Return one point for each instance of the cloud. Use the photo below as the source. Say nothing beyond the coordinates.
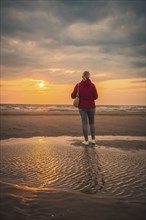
(139, 81)
(71, 36)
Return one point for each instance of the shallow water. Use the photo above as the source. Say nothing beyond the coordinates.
(62, 162)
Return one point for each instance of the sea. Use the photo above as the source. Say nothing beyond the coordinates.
(44, 108)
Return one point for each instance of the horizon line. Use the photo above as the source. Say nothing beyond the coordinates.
(71, 104)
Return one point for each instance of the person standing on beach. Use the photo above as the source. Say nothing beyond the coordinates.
(87, 95)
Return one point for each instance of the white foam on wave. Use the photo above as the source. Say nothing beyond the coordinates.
(47, 108)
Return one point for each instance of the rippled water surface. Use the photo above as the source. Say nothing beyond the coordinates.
(62, 162)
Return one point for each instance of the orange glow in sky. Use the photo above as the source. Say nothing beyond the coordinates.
(114, 92)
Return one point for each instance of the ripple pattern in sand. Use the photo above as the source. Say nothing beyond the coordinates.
(54, 162)
(124, 172)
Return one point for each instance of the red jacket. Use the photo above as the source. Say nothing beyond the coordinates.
(87, 94)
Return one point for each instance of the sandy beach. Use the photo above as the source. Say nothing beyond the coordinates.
(69, 123)
(31, 203)
(46, 173)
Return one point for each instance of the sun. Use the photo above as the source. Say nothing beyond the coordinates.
(41, 84)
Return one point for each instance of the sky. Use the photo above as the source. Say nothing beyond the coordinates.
(47, 44)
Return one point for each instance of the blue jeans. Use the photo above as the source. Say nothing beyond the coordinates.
(88, 114)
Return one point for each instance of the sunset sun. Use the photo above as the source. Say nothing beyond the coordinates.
(41, 84)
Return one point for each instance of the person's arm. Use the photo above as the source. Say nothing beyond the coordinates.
(73, 95)
(95, 94)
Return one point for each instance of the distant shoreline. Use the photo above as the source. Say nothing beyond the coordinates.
(69, 113)
(68, 109)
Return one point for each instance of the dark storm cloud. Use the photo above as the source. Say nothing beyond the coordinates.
(71, 34)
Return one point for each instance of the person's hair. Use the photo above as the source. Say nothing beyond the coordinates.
(86, 74)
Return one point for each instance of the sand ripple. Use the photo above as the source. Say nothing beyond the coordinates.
(64, 163)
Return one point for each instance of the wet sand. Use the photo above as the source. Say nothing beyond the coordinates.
(58, 178)
(69, 123)
(30, 203)
(52, 176)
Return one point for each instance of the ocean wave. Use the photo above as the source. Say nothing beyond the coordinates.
(59, 108)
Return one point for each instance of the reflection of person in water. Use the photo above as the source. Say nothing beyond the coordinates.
(94, 180)
(87, 94)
